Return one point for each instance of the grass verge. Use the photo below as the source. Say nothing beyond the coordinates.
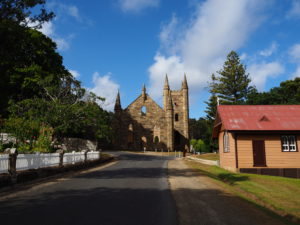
(276, 194)
(208, 156)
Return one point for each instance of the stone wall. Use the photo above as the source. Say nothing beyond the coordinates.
(135, 129)
(156, 128)
(78, 144)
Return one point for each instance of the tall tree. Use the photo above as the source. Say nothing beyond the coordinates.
(212, 103)
(26, 55)
(211, 108)
(232, 83)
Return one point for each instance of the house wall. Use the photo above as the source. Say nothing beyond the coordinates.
(275, 158)
(227, 159)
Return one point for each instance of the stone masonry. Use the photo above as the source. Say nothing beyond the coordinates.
(145, 125)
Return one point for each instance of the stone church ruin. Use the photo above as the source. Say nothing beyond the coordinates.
(144, 125)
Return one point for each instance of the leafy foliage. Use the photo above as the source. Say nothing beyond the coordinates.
(287, 93)
(40, 99)
(81, 119)
(26, 55)
(20, 12)
(202, 129)
(43, 142)
(199, 145)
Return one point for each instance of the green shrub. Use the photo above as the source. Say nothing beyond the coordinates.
(199, 145)
(43, 143)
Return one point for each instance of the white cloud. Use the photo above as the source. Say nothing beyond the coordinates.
(62, 44)
(137, 5)
(296, 73)
(168, 34)
(260, 72)
(243, 56)
(294, 11)
(269, 51)
(105, 87)
(216, 28)
(294, 52)
(73, 11)
(47, 28)
(74, 73)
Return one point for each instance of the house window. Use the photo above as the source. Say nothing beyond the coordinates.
(226, 142)
(288, 143)
(176, 117)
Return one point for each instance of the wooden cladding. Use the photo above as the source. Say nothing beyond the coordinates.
(257, 150)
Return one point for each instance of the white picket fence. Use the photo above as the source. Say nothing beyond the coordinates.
(35, 161)
(40, 160)
(93, 155)
(73, 157)
(4, 163)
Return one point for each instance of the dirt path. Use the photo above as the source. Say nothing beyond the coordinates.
(200, 201)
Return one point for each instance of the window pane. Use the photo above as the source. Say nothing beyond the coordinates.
(292, 143)
(285, 145)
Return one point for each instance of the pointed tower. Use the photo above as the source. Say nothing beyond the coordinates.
(170, 123)
(118, 107)
(166, 92)
(185, 100)
(144, 94)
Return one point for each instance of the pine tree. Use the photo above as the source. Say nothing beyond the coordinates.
(211, 108)
(212, 103)
(232, 84)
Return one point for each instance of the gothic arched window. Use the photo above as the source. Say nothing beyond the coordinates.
(144, 111)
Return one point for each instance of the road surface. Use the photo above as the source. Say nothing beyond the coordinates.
(133, 191)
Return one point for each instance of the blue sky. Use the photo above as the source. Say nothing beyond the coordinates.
(122, 44)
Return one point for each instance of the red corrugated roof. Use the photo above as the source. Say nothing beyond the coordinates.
(260, 117)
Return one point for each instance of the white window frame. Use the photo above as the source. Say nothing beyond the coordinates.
(226, 142)
(289, 143)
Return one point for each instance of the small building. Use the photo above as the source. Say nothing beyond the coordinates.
(261, 139)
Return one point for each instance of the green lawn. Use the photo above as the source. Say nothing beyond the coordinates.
(277, 194)
(208, 156)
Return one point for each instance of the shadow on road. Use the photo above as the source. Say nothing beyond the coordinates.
(119, 206)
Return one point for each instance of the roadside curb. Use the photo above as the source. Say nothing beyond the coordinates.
(204, 161)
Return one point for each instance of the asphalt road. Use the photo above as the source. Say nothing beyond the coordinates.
(134, 191)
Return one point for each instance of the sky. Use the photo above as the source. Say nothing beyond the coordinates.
(112, 45)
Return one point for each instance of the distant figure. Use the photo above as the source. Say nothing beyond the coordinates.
(186, 148)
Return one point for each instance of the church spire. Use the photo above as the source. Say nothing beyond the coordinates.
(170, 103)
(144, 95)
(184, 83)
(118, 102)
(144, 89)
(166, 86)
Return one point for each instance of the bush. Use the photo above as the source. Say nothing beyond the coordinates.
(4, 146)
(31, 135)
(43, 143)
(22, 129)
(199, 145)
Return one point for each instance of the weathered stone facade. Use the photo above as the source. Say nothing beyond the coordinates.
(145, 125)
